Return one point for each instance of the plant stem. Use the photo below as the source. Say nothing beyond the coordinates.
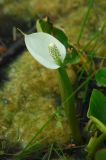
(88, 125)
(93, 144)
(69, 106)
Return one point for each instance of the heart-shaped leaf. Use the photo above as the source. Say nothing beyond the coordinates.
(97, 110)
(101, 77)
(101, 155)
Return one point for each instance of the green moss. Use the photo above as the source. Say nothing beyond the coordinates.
(30, 97)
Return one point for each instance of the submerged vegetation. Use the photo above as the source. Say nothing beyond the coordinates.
(57, 111)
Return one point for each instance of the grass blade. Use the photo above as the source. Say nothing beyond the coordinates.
(90, 5)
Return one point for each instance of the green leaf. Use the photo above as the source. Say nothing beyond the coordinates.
(72, 57)
(101, 77)
(44, 25)
(97, 110)
(101, 155)
(60, 35)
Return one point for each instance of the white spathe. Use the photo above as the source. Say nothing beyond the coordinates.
(38, 45)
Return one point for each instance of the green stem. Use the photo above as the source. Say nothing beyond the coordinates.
(88, 125)
(93, 144)
(69, 106)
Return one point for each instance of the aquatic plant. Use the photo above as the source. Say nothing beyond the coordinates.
(51, 53)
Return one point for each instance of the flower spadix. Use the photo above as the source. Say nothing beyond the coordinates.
(46, 49)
